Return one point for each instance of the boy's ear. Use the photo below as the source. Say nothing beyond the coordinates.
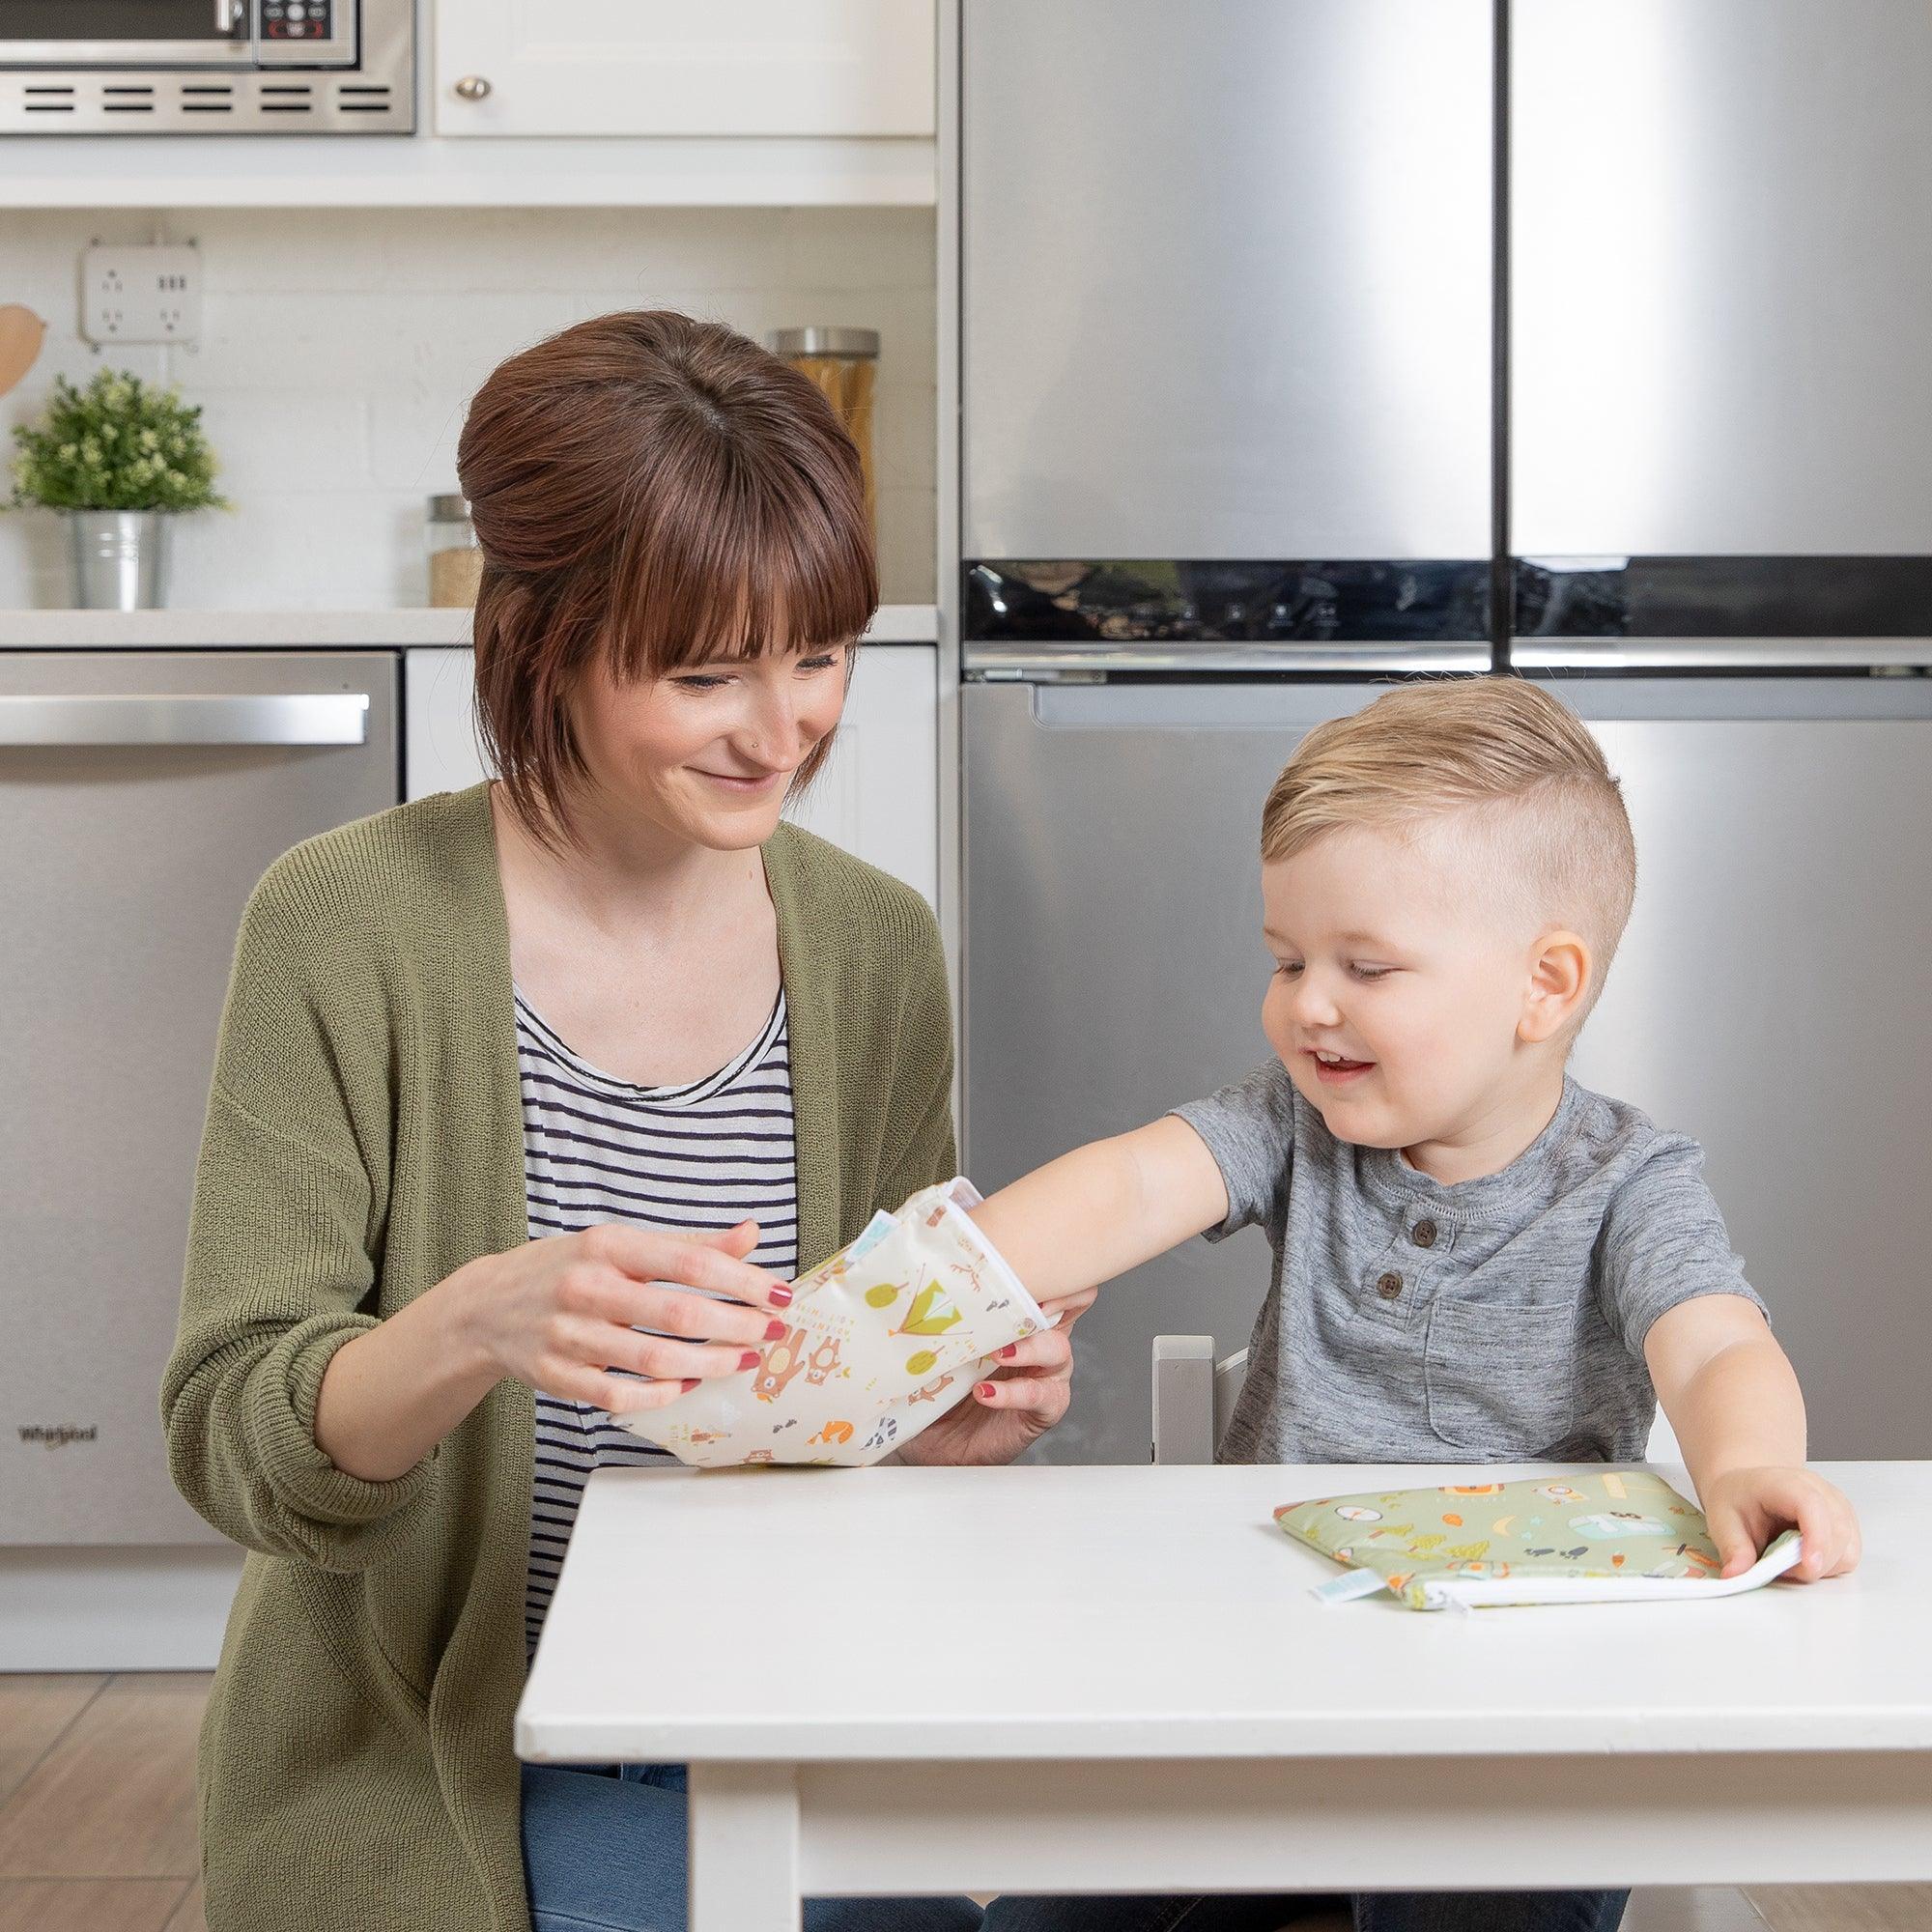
(1560, 969)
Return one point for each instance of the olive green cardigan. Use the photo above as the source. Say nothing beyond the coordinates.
(364, 1139)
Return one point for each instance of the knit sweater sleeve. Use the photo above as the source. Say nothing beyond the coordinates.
(286, 1225)
(921, 1146)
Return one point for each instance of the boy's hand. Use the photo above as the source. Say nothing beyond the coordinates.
(1747, 1508)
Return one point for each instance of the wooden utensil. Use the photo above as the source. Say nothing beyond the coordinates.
(21, 332)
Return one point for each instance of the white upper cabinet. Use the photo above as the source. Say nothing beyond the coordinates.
(799, 68)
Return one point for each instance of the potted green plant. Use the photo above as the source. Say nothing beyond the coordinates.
(118, 459)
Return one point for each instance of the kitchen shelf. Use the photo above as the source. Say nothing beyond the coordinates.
(281, 630)
(423, 171)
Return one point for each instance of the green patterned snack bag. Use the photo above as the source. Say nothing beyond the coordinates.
(1587, 1536)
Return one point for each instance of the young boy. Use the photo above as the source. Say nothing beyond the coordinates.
(1475, 1258)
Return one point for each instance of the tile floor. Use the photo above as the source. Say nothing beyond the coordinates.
(96, 1825)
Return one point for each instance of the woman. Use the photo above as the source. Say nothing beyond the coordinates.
(503, 1076)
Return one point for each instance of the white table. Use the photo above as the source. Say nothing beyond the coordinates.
(1113, 1679)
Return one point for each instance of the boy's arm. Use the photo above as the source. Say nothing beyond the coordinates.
(1734, 1402)
(1105, 1207)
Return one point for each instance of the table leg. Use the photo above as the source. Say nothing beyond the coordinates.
(744, 1848)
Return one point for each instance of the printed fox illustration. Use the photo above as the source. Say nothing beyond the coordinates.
(930, 1313)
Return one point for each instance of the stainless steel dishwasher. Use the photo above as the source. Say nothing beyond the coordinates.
(142, 795)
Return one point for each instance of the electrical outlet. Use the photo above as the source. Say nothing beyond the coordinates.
(140, 295)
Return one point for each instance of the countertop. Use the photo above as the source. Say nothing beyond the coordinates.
(299, 630)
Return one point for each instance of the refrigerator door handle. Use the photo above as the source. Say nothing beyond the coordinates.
(1686, 654)
(295, 718)
(1281, 709)
(1079, 663)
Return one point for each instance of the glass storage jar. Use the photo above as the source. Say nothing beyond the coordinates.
(455, 563)
(844, 363)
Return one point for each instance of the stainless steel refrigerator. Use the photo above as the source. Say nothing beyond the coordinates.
(1305, 345)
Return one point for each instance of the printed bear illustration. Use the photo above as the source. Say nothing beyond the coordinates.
(782, 1361)
(822, 1361)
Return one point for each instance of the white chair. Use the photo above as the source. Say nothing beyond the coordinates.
(1194, 1395)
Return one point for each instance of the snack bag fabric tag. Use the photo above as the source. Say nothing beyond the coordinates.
(1597, 1536)
(883, 1339)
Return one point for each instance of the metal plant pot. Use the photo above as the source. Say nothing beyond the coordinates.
(120, 558)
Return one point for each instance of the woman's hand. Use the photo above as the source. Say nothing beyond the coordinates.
(1026, 1394)
(561, 1314)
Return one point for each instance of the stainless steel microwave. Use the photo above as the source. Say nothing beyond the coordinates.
(206, 66)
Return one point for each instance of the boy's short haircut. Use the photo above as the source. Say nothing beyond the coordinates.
(1554, 831)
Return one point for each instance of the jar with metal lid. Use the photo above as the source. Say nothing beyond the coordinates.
(455, 563)
(844, 363)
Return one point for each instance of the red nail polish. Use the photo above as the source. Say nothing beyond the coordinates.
(1011, 1349)
(781, 1297)
(984, 1391)
(774, 1330)
(748, 1359)
(689, 1383)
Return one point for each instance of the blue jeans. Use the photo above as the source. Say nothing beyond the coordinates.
(605, 1852)
(1374, 1911)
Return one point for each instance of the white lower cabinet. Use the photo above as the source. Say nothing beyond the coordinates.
(441, 751)
(878, 795)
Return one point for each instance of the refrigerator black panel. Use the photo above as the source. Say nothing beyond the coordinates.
(1362, 601)
(1725, 597)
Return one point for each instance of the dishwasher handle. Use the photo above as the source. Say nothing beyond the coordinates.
(187, 718)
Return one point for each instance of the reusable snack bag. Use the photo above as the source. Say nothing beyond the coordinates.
(884, 1338)
(1596, 1536)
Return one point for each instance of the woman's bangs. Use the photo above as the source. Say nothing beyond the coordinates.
(767, 573)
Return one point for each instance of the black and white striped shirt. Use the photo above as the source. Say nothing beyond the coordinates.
(704, 1156)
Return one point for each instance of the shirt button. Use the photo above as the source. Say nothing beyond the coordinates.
(1422, 1234)
(1389, 1286)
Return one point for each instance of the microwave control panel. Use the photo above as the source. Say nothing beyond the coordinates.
(297, 20)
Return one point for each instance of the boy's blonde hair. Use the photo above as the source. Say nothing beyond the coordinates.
(1549, 816)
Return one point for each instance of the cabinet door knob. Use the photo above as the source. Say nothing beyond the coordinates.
(473, 87)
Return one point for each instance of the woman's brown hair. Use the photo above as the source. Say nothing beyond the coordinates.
(662, 491)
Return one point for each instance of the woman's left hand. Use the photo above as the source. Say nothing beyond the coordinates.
(1026, 1395)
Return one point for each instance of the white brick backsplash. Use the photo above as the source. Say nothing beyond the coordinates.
(270, 442)
(340, 346)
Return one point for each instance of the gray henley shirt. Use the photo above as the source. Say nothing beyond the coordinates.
(1498, 1320)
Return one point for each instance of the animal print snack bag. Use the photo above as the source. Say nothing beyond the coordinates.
(884, 1338)
(1589, 1536)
